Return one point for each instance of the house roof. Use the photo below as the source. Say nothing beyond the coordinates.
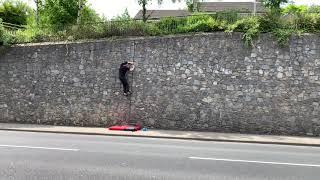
(244, 7)
(157, 14)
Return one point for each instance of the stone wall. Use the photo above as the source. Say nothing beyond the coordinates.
(208, 82)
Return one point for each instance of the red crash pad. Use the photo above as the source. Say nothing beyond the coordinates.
(125, 128)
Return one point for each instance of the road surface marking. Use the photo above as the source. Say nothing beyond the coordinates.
(34, 147)
(258, 162)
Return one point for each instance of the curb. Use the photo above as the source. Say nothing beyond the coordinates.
(166, 137)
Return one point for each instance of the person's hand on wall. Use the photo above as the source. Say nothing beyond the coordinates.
(131, 65)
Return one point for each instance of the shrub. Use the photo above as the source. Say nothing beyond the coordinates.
(198, 17)
(153, 30)
(269, 22)
(227, 16)
(308, 22)
(84, 31)
(282, 36)
(294, 9)
(124, 28)
(223, 25)
(5, 38)
(15, 11)
(31, 34)
(314, 9)
(137, 28)
(245, 24)
(200, 26)
(201, 23)
(250, 26)
(274, 5)
(170, 25)
(115, 28)
(1, 33)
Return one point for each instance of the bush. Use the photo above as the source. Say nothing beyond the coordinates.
(31, 35)
(15, 11)
(282, 36)
(136, 28)
(1, 32)
(153, 30)
(124, 28)
(308, 22)
(5, 38)
(314, 9)
(201, 23)
(226, 16)
(294, 9)
(200, 26)
(195, 18)
(170, 25)
(250, 26)
(84, 31)
(269, 22)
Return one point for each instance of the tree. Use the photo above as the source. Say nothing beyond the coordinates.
(15, 12)
(144, 4)
(81, 5)
(125, 16)
(295, 9)
(274, 4)
(192, 5)
(88, 16)
(61, 13)
(39, 4)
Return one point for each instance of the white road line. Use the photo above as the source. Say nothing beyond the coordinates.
(34, 147)
(258, 162)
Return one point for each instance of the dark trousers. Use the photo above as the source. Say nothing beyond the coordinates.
(125, 84)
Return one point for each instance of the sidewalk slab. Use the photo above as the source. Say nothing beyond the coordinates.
(169, 134)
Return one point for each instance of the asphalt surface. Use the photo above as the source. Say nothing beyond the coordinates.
(34, 156)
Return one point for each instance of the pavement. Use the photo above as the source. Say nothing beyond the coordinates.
(168, 134)
(46, 156)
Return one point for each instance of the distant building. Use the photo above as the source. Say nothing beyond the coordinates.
(241, 7)
(208, 7)
(158, 14)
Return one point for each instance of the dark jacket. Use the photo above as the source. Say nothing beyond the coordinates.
(123, 70)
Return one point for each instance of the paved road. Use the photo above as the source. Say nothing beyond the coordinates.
(34, 156)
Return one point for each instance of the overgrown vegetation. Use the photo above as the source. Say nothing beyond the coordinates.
(282, 23)
(274, 5)
(15, 12)
(249, 26)
(5, 37)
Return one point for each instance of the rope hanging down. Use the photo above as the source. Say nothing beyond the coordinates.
(132, 79)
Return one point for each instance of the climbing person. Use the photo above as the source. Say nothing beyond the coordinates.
(123, 70)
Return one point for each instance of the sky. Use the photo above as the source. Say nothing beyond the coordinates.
(111, 8)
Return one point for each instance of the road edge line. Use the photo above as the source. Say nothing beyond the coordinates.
(165, 137)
